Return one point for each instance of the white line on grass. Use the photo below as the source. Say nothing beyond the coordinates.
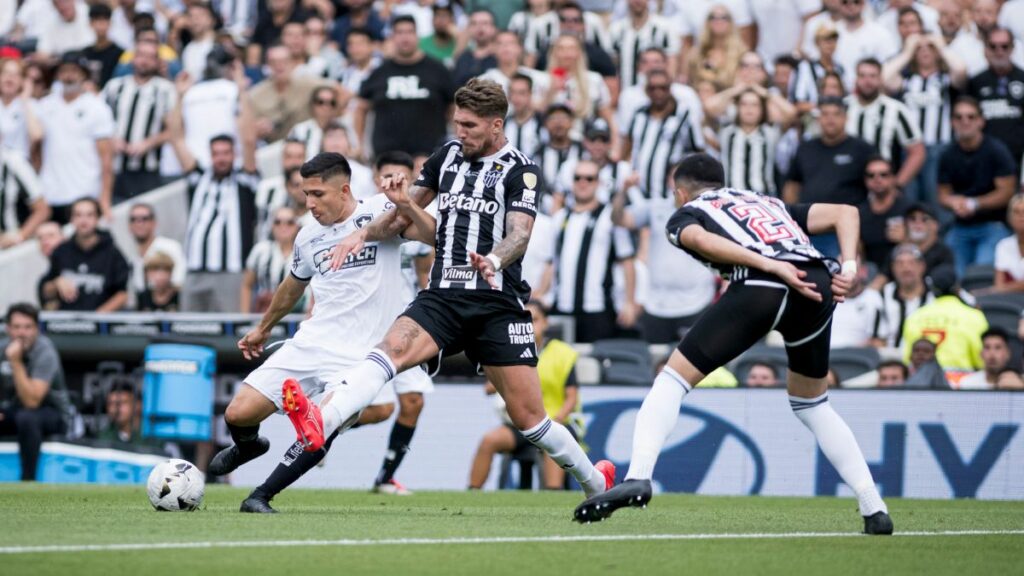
(490, 540)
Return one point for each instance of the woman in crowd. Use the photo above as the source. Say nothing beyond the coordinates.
(1009, 259)
(751, 75)
(718, 53)
(810, 72)
(747, 146)
(924, 76)
(268, 264)
(573, 84)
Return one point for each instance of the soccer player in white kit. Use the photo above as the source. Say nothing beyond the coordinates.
(353, 308)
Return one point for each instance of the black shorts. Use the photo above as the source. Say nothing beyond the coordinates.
(756, 304)
(492, 328)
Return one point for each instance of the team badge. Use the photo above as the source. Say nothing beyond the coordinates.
(363, 220)
(492, 176)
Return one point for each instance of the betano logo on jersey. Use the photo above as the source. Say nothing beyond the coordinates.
(365, 257)
(449, 201)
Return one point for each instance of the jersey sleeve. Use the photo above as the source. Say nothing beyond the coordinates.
(522, 188)
(799, 212)
(302, 263)
(430, 175)
(678, 222)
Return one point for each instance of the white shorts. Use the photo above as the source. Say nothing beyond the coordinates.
(318, 370)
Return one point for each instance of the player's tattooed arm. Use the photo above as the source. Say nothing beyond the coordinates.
(518, 227)
(384, 227)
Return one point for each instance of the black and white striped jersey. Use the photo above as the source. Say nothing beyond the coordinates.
(893, 314)
(930, 102)
(659, 144)
(587, 248)
(312, 134)
(528, 136)
(221, 221)
(544, 30)
(269, 265)
(628, 43)
(808, 75)
(271, 194)
(19, 189)
(885, 123)
(749, 159)
(551, 159)
(473, 198)
(757, 222)
(139, 113)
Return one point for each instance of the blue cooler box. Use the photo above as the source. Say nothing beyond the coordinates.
(177, 392)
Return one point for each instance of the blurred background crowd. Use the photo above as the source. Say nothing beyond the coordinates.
(911, 110)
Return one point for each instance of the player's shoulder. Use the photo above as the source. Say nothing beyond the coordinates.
(374, 205)
(308, 232)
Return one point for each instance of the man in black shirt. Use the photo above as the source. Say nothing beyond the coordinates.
(881, 215)
(410, 94)
(87, 272)
(977, 177)
(478, 57)
(829, 168)
(1000, 91)
(921, 228)
(104, 54)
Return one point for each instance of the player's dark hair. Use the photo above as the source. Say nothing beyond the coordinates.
(520, 77)
(223, 138)
(23, 308)
(394, 158)
(484, 98)
(91, 201)
(699, 172)
(325, 166)
(969, 101)
(894, 364)
(406, 18)
(996, 332)
(870, 61)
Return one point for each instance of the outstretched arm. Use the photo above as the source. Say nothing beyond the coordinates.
(422, 225)
(518, 226)
(387, 226)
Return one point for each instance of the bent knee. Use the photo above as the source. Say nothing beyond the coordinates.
(411, 403)
(376, 413)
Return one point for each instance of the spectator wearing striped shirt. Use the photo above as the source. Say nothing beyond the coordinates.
(748, 146)
(22, 206)
(268, 263)
(222, 209)
(273, 191)
(885, 123)
(639, 31)
(901, 297)
(524, 127)
(926, 76)
(141, 104)
(560, 148)
(811, 72)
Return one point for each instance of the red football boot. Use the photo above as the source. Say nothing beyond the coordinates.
(305, 415)
(608, 469)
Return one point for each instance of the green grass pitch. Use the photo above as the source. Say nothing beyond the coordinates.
(442, 526)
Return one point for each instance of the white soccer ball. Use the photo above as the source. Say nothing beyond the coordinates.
(175, 486)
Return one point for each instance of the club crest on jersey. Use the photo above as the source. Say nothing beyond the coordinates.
(365, 257)
(459, 274)
(363, 220)
(492, 176)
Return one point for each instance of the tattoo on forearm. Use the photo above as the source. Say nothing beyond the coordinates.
(518, 227)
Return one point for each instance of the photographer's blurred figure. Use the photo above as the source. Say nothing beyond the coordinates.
(33, 397)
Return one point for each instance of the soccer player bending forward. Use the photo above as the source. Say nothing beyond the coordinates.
(353, 307)
(779, 281)
(487, 194)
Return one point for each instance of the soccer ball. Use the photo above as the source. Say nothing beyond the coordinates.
(175, 486)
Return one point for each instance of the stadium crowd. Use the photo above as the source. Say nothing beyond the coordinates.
(911, 111)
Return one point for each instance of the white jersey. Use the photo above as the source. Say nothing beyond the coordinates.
(353, 306)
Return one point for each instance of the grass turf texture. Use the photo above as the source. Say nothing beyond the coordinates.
(38, 515)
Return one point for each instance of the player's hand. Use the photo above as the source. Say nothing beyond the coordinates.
(629, 315)
(66, 289)
(485, 267)
(252, 343)
(15, 350)
(9, 239)
(794, 278)
(396, 188)
(349, 244)
(842, 284)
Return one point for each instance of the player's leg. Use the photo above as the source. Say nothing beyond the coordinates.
(499, 440)
(519, 386)
(729, 327)
(243, 416)
(808, 397)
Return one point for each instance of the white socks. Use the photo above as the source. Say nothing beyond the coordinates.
(655, 421)
(840, 447)
(557, 442)
(360, 386)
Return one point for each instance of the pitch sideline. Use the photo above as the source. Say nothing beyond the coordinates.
(72, 548)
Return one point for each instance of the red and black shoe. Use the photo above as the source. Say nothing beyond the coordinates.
(305, 415)
(607, 468)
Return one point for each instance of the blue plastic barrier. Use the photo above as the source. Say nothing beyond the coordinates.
(177, 392)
